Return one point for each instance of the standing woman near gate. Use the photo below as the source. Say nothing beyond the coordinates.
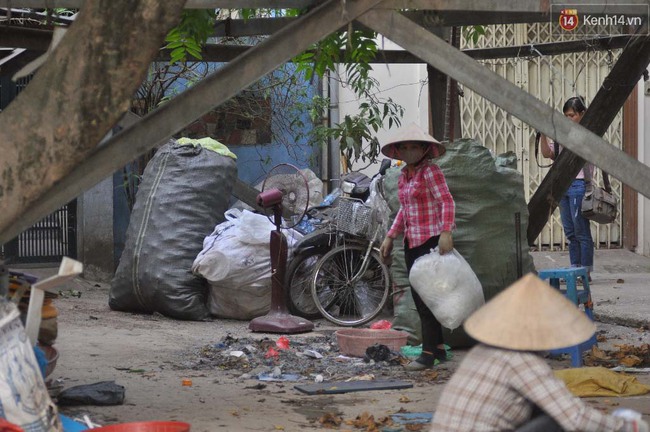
(576, 227)
(425, 217)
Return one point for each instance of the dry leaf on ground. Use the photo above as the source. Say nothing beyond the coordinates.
(330, 420)
(630, 361)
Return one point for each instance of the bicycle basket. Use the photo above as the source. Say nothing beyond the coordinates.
(353, 216)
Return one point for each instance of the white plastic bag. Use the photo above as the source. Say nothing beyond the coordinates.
(448, 286)
(255, 228)
(24, 400)
(381, 210)
(236, 261)
(242, 236)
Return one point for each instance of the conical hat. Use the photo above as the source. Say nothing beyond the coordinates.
(412, 133)
(530, 315)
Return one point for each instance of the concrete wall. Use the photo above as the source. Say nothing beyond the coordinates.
(643, 247)
(99, 245)
(404, 83)
(95, 231)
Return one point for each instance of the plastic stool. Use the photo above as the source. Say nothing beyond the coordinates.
(578, 297)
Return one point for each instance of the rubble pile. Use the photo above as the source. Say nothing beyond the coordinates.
(314, 359)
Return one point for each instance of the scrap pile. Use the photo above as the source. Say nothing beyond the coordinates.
(631, 356)
(316, 359)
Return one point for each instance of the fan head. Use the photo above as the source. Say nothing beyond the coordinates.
(295, 193)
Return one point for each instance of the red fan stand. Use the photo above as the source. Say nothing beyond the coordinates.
(278, 320)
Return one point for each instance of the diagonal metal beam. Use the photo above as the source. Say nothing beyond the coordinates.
(508, 96)
(214, 90)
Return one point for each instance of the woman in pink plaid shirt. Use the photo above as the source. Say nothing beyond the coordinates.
(426, 218)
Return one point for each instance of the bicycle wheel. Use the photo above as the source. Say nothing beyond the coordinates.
(342, 299)
(298, 283)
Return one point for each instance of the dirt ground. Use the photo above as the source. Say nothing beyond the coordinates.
(151, 355)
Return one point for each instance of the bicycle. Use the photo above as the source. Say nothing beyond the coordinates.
(350, 283)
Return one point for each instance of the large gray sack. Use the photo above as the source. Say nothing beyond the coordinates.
(487, 196)
(184, 193)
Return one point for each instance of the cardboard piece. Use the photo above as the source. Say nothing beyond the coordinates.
(69, 269)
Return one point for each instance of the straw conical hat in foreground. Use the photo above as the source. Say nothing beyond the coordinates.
(530, 315)
(412, 133)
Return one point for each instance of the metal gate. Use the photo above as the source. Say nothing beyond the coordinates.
(49, 240)
(552, 79)
(55, 235)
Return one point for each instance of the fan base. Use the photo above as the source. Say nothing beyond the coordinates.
(278, 322)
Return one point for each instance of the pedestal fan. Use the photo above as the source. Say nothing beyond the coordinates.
(285, 197)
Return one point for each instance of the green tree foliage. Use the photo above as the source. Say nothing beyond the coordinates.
(473, 33)
(190, 35)
(354, 49)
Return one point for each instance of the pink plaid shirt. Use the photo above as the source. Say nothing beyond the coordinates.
(427, 207)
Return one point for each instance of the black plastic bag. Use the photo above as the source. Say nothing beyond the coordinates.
(377, 352)
(101, 393)
(184, 193)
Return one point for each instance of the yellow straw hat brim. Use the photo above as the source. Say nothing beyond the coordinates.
(530, 315)
(412, 133)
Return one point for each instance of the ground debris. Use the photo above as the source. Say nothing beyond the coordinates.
(368, 423)
(293, 360)
(416, 427)
(623, 354)
(330, 420)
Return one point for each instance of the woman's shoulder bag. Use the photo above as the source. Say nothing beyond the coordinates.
(599, 204)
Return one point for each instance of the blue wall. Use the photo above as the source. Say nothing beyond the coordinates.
(254, 161)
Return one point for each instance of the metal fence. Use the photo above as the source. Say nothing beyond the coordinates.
(552, 79)
(48, 240)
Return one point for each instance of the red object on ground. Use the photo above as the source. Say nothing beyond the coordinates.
(271, 353)
(151, 426)
(283, 343)
(381, 325)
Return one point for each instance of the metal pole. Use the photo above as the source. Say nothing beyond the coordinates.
(4, 280)
(520, 265)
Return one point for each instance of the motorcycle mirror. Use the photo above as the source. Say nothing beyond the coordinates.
(347, 186)
(385, 164)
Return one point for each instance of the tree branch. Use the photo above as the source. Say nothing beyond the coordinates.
(77, 96)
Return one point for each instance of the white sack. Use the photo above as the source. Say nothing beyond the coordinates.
(236, 261)
(24, 400)
(448, 286)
